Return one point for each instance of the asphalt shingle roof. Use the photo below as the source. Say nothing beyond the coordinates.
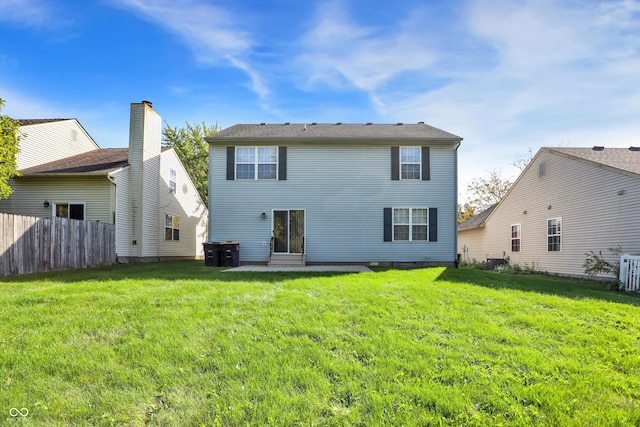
(619, 158)
(302, 131)
(27, 122)
(476, 220)
(97, 162)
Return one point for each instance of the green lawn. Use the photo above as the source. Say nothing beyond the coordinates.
(181, 344)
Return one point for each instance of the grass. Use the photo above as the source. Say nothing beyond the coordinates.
(182, 344)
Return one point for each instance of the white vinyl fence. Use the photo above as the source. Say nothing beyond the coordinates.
(630, 272)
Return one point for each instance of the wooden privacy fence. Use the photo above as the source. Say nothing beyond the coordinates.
(630, 272)
(33, 245)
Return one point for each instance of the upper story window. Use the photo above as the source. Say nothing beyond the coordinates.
(256, 162)
(410, 162)
(410, 223)
(554, 235)
(173, 180)
(515, 237)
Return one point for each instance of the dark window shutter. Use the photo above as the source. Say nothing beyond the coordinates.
(282, 163)
(231, 163)
(426, 166)
(433, 224)
(395, 163)
(388, 225)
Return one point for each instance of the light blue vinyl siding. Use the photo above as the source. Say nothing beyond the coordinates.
(344, 190)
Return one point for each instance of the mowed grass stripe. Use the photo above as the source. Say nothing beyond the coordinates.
(182, 344)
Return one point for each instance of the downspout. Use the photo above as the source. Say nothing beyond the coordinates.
(455, 205)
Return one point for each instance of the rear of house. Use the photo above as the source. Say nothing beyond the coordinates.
(567, 202)
(335, 193)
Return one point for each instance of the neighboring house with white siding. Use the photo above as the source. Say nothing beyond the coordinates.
(144, 189)
(335, 193)
(566, 202)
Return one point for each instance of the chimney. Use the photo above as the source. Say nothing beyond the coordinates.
(145, 139)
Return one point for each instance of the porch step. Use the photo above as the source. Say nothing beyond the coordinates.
(287, 260)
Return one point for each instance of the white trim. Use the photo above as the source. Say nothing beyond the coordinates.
(83, 203)
(172, 227)
(519, 238)
(256, 162)
(304, 236)
(558, 234)
(173, 173)
(419, 163)
(410, 224)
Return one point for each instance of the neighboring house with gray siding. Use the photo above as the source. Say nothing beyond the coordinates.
(566, 202)
(143, 189)
(335, 193)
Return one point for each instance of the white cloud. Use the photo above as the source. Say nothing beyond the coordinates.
(339, 51)
(29, 13)
(213, 33)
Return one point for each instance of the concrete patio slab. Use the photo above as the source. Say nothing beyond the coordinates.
(304, 269)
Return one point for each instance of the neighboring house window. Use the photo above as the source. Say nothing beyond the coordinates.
(171, 227)
(172, 180)
(410, 223)
(410, 162)
(515, 237)
(256, 162)
(554, 235)
(69, 210)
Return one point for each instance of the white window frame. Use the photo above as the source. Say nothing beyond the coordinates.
(410, 224)
(256, 163)
(170, 223)
(557, 234)
(173, 180)
(419, 163)
(54, 206)
(518, 229)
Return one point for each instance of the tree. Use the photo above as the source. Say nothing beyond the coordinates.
(486, 192)
(9, 147)
(193, 151)
(465, 212)
(522, 160)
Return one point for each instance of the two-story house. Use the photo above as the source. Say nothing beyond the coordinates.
(143, 189)
(567, 202)
(335, 193)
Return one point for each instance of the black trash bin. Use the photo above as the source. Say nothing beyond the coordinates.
(211, 254)
(230, 254)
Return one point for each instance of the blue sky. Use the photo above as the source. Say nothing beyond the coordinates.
(506, 76)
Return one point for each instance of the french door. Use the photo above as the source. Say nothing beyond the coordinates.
(288, 231)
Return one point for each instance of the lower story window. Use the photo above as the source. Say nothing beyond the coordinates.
(410, 223)
(70, 210)
(171, 227)
(554, 235)
(515, 237)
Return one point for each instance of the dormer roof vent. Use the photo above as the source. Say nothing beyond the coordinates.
(598, 148)
(634, 148)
